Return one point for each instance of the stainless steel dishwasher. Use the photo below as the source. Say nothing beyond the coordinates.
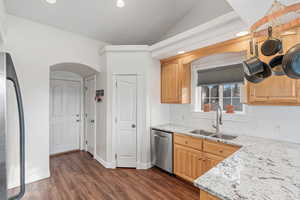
(162, 149)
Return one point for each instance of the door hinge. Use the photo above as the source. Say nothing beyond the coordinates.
(86, 142)
(116, 156)
(116, 120)
(116, 83)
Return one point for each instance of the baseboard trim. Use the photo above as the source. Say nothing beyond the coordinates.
(109, 165)
(64, 153)
(147, 165)
(32, 176)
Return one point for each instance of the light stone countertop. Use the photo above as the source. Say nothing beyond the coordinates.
(262, 169)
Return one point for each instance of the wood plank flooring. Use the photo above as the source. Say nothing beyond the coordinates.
(76, 176)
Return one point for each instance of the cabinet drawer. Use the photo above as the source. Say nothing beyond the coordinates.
(219, 149)
(188, 141)
(205, 196)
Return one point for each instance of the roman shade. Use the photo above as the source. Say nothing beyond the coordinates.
(220, 75)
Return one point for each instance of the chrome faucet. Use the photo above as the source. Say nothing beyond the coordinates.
(218, 119)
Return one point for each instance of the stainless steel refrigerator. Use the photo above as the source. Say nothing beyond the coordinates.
(8, 73)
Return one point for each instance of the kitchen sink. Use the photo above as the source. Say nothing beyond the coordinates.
(202, 132)
(225, 137)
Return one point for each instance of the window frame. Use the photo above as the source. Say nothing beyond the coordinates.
(196, 96)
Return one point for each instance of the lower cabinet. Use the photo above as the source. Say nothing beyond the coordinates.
(195, 156)
(206, 196)
(210, 161)
(187, 162)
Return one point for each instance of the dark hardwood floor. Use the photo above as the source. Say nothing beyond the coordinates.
(78, 176)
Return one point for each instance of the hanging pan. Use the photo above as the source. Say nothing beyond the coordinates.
(276, 65)
(259, 77)
(253, 65)
(272, 45)
(291, 62)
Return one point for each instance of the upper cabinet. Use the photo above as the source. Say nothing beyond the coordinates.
(175, 82)
(276, 90)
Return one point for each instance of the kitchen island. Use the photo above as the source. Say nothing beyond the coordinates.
(260, 169)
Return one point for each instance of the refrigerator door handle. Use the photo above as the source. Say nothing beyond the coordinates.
(12, 76)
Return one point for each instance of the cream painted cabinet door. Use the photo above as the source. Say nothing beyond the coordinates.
(126, 111)
(65, 116)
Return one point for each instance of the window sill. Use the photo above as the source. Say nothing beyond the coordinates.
(224, 113)
(238, 116)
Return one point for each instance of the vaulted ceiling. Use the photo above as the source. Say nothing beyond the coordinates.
(139, 22)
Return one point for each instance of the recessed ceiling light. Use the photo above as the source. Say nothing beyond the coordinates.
(242, 33)
(120, 3)
(181, 52)
(51, 1)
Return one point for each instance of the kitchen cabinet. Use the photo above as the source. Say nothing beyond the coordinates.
(187, 162)
(195, 156)
(206, 196)
(175, 82)
(219, 149)
(275, 90)
(209, 161)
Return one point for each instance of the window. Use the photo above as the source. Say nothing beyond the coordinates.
(223, 94)
(219, 85)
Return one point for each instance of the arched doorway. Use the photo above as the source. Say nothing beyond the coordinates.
(72, 108)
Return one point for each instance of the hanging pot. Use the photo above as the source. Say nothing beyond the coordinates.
(253, 65)
(259, 77)
(291, 62)
(276, 65)
(272, 45)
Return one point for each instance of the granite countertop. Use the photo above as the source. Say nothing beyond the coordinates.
(262, 169)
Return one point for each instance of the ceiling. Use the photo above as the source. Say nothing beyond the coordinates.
(139, 22)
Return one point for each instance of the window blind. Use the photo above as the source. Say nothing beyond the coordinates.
(220, 75)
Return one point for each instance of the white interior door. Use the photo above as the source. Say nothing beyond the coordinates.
(90, 106)
(65, 116)
(126, 107)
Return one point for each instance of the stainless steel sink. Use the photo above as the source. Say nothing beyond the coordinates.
(225, 137)
(202, 132)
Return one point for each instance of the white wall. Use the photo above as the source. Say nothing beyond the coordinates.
(276, 122)
(2, 22)
(132, 60)
(34, 48)
(201, 13)
(101, 111)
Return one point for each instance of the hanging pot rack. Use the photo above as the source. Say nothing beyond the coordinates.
(294, 8)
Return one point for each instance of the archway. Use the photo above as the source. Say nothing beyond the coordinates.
(72, 108)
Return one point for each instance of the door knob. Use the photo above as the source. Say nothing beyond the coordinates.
(92, 121)
(133, 126)
(77, 120)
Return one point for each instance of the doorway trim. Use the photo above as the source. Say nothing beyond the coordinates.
(141, 118)
(67, 76)
(84, 115)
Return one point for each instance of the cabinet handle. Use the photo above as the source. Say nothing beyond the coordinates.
(200, 159)
(221, 151)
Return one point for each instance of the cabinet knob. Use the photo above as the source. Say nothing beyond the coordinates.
(186, 142)
(221, 151)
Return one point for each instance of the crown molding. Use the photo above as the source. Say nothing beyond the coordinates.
(124, 48)
(217, 30)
